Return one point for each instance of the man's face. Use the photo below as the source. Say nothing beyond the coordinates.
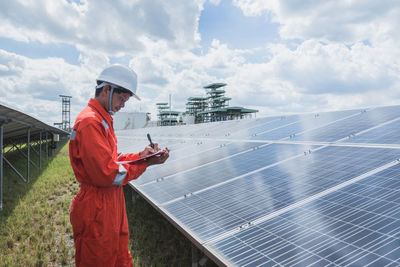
(118, 101)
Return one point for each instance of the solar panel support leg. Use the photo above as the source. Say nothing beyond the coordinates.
(14, 169)
(196, 262)
(40, 151)
(34, 150)
(135, 196)
(28, 147)
(195, 256)
(47, 146)
(1, 166)
(23, 154)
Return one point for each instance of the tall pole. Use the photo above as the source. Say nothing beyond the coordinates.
(170, 123)
(170, 103)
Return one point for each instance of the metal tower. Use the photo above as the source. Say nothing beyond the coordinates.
(66, 112)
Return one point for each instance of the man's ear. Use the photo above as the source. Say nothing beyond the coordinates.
(105, 89)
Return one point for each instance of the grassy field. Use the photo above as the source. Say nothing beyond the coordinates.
(35, 228)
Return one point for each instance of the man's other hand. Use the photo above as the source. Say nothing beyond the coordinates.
(149, 150)
(158, 159)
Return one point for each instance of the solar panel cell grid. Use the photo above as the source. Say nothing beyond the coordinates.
(347, 127)
(268, 126)
(177, 185)
(387, 134)
(292, 127)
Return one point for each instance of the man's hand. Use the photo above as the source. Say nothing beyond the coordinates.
(149, 150)
(158, 159)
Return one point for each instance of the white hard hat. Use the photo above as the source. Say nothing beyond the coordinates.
(120, 76)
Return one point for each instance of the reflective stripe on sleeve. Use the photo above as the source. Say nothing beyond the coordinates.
(105, 124)
(120, 176)
(73, 134)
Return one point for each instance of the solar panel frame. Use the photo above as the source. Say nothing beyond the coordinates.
(17, 122)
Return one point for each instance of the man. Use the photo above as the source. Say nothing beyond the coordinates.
(98, 214)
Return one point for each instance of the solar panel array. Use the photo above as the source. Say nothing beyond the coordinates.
(16, 123)
(301, 190)
(18, 128)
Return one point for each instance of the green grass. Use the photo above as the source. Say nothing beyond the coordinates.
(35, 228)
(34, 223)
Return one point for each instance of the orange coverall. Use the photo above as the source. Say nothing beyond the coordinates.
(98, 214)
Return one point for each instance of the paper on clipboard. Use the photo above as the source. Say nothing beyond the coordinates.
(158, 153)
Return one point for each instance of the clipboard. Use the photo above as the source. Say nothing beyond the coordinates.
(157, 154)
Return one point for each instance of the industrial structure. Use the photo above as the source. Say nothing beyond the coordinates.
(130, 120)
(212, 107)
(215, 106)
(194, 106)
(65, 124)
(166, 116)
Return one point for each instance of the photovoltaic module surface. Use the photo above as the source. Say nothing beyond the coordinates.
(317, 189)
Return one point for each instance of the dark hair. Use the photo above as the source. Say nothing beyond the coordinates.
(117, 90)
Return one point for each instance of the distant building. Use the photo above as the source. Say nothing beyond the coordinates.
(194, 106)
(188, 119)
(130, 120)
(215, 107)
(166, 116)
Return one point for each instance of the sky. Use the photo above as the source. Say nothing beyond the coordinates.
(277, 56)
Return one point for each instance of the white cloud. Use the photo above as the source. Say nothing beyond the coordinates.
(339, 21)
(182, 73)
(215, 2)
(33, 85)
(319, 77)
(345, 56)
(114, 27)
(256, 7)
(297, 80)
(316, 68)
(11, 64)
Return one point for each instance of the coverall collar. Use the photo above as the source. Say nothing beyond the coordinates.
(97, 106)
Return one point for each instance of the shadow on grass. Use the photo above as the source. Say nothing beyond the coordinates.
(14, 188)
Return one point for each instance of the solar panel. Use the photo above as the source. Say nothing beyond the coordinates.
(357, 225)
(304, 123)
(17, 128)
(348, 127)
(313, 189)
(199, 156)
(249, 197)
(386, 134)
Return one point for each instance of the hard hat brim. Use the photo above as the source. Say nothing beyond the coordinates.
(138, 98)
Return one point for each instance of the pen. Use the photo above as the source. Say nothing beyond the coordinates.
(151, 143)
